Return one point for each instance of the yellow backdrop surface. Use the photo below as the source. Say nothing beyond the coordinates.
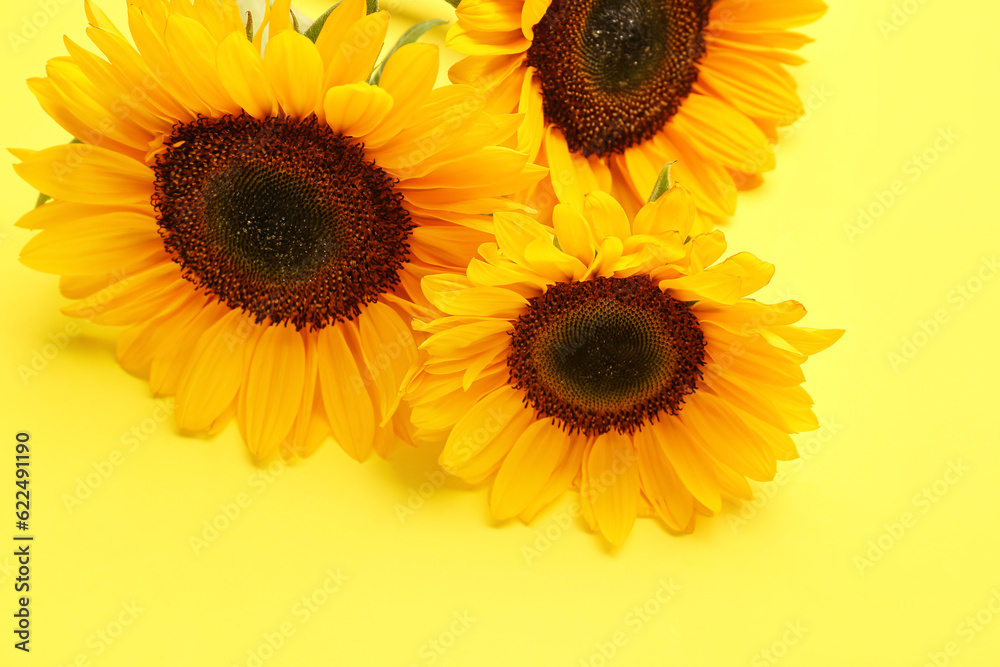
(879, 547)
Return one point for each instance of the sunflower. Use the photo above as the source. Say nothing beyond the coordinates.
(259, 218)
(617, 356)
(612, 91)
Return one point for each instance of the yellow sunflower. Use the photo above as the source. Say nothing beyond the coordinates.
(260, 217)
(617, 356)
(612, 91)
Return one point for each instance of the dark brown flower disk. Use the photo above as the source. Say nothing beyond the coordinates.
(281, 218)
(613, 72)
(607, 353)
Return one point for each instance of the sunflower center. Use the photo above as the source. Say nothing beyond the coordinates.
(281, 218)
(272, 222)
(608, 353)
(619, 43)
(613, 72)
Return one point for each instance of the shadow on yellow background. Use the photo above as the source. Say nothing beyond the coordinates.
(878, 547)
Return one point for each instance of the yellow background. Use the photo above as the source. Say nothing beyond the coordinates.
(782, 575)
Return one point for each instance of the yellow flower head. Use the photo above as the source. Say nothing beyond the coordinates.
(612, 91)
(259, 216)
(617, 355)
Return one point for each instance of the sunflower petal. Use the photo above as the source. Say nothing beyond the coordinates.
(350, 410)
(194, 51)
(675, 441)
(354, 59)
(272, 396)
(483, 436)
(611, 485)
(244, 76)
(356, 109)
(287, 52)
(86, 174)
(721, 433)
(390, 354)
(526, 468)
(661, 484)
(211, 381)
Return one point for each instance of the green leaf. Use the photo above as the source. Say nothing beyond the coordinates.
(413, 34)
(42, 197)
(372, 6)
(313, 31)
(662, 182)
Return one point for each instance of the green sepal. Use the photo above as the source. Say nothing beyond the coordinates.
(249, 26)
(42, 197)
(453, 3)
(662, 182)
(411, 35)
(313, 31)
